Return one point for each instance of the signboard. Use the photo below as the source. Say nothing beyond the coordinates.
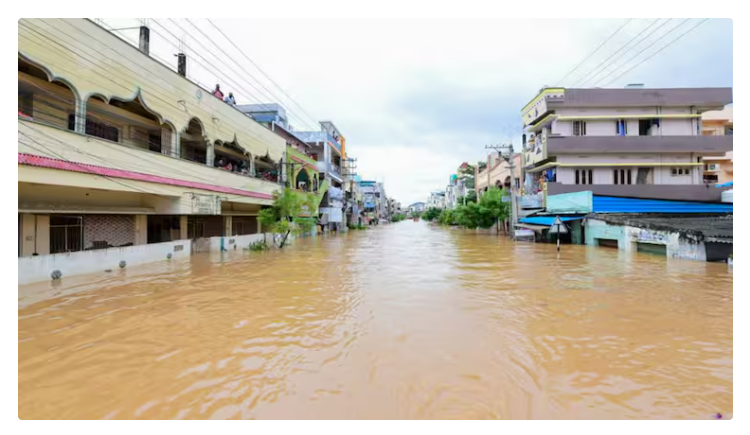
(558, 227)
(205, 204)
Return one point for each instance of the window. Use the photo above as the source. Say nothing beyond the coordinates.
(676, 172)
(584, 176)
(579, 128)
(99, 129)
(621, 127)
(623, 176)
(644, 127)
(65, 234)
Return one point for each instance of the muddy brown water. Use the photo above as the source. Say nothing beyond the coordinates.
(405, 321)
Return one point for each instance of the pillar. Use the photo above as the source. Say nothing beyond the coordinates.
(183, 227)
(80, 116)
(141, 229)
(228, 226)
(260, 227)
(35, 234)
(210, 155)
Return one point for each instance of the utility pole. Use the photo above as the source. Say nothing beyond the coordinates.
(499, 149)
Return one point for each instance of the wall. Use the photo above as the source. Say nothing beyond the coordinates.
(628, 237)
(116, 230)
(39, 268)
(238, 243)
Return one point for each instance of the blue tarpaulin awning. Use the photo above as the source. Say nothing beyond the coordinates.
(730, 184)
(547, 220)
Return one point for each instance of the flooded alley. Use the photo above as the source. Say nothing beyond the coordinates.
(402, 321)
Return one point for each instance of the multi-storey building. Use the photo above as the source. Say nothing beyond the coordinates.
(436, 200)
(718, 169)
(622, 146)
(328, 148)
(497, 172)
(123, 160)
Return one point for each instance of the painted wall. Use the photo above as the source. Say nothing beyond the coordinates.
(628, 237)
(576, 202)
(39, 268)
(238, 243)
(65, 145)
(96, 62)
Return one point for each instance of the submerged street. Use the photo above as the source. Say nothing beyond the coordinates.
(405, 320)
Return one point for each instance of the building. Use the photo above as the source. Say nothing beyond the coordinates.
(686, 237)
(371, 201)
(631, 151)
(301, 170)
(718, 169)
(497, 172)
(328, 149)
(634, 143)
(417, 207)
(436, 200)
(123, 160)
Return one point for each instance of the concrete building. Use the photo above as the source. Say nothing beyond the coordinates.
(686, 237)
(496, 172)
(328, 149)
(118, 156)
(718, 169)
(436, 200)
(632, 142)
(417, 207)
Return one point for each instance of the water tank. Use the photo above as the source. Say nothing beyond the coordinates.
(727, 196)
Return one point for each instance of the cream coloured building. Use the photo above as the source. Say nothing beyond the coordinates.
(118, 156)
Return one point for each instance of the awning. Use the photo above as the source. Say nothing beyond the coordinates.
(533, 227)
(548, 220)
(730, 184)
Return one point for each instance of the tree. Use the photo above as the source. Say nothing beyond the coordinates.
(431, 214)
(286, 209)
(471, 196)
(498, 209)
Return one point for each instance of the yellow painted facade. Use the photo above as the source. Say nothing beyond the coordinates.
(94, 62)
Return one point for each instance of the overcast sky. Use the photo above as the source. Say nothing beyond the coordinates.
(415, 98)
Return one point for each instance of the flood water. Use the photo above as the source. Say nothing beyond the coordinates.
(405, 321)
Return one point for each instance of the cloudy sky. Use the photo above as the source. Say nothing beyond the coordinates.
(415, 98)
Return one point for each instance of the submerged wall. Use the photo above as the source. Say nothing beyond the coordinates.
(628, 238)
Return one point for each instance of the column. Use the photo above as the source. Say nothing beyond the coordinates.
(183, 227)
(166, 141)
(141, 229)
(210, 155)
(28, 234)
(227, 226)
(80, 116)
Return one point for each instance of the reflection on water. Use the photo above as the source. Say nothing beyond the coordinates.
(402, 321)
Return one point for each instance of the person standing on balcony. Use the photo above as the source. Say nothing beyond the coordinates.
(218, 94)
(230, 100)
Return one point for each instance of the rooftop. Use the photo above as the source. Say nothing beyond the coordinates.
(701, 227)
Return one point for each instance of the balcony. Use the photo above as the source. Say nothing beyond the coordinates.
(695, 192)
(302, 158)
(635, 144)
(86, 161)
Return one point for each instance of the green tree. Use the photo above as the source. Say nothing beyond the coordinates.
(448, 217)
(286, 209)
(431, 214)
(498, 209)
(471, 196)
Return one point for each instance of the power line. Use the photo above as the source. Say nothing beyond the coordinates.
(595, 50)
(235, 62)
(644, 49)
(613, 61)
(660, 50)
(261, 71)
(582, 79)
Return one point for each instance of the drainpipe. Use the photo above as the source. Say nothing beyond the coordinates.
(143, 41)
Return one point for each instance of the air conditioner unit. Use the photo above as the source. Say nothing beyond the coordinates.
(712, 167)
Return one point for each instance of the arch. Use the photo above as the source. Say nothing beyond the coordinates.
(45, 98)
(498, 184)
(25, 61)
(303, 177)
(507, 182)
